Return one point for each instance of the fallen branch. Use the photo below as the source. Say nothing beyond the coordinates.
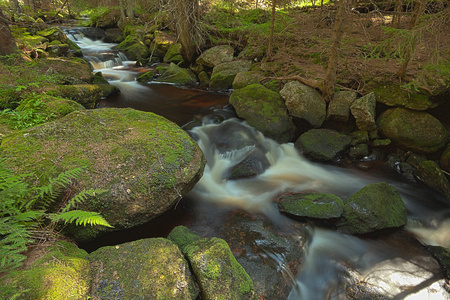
(310, 82)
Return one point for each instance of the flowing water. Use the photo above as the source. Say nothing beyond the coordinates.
(391, 265)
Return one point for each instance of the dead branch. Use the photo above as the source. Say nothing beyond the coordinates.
(310, 82)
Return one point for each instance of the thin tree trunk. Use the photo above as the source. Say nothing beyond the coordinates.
(419, 9)
(122, 10)
(130, 9)
(272, 25)
(338, 32)
(187, 14)
(7, 42)
(396, 18)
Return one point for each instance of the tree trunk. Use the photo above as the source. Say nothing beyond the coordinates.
(272, 25)
(16, 6)
(186, 14)
(130, 9)
(122, 10)
(338, 32)
(7, 42)
(419, 9)
(396, 18)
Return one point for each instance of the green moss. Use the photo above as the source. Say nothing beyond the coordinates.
(313, 205)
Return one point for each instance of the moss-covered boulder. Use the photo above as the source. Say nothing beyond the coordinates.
(85, 94)
(215, 56)
(312, 205)
(444, 161)
(223, 74)
(429, 173)
(246, 78)
(57, 271)
(175, 74)
(443, 257)
(143, 269)
(173, 54)
(323, 144)
(146, 77)
(134, 48)
(374, 207)
(161, 44)
(49, 108)
(413, 130)
(264, 110)
(10, 96)
(143, 161)
(58, 50)
(392, 94)
(53, 34)
(304, 102)
(218, 273)
(65, 70)
(107, 19)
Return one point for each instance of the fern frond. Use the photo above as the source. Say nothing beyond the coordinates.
(81, 197)
(80, 217)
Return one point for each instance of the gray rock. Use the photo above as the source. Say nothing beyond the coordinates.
(363, 109)
(312, 205)
(175, 74)
(429, 173)
(339, 106)
(374, 207)
(223, 75)
(323, 144)
(358, 151)
(246, 78)
(304, 102)
(216, 55)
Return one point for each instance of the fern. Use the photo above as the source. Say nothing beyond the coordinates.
(80, 217)
(81, 197)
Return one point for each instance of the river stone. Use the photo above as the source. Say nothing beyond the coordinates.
(161, 44)
(358, 151)
(146, 77)
(429, 173)
(339, 106)
(53, 34)
(246, 78)
(443, 256)
(216, 55)
(56, 271)
(85, 94)
(58, 50)
(218, 273)
(363, 109)
(374, 207)
(392, 94)
(175, 74)
(413, 130)
(51, 108)
(323, 144)
(312, 205)
(173, 54)
(264, 110)
(445, 159)
(304, 102)
(254, 164)
(136, 270)
(223, 75)
(143, 161)
(133, 48)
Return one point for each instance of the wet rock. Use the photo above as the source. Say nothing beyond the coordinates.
(218, 273)
(312, 205)
(203, 77)
(133, 48)
(254, 164)
(381, 143)
(85, 94)
(445, 160)
(374, 207)
(143, 161)
(59, 271)
(108, 90)
(246, 78)
(112, 35)
(323, 144)
(173, 54)
(175, 74)
(392, 94)
(429, 173)
(304, 102)
(215, 56)
(223, 74)
(443, 256)
(359, 137)
(358, 151)
(161, 44)
(141, 268)
(146, 77)
(414, 130)
(339, 106)
(264, 110)
(363, 109)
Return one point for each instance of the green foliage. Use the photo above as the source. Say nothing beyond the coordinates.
(23, 212)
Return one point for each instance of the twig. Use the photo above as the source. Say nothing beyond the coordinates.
(310, 82)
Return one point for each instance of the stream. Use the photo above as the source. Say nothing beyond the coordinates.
(390, 264)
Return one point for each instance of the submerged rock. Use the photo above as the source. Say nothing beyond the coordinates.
(264, 110)
(323, 144)
(304, 102)
(413, 130)
(312, 205)
(136, 270)
(374, 207)
(143, 161)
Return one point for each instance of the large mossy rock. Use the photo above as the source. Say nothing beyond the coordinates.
(85, 94)
(392, 94)
(215, 56)
(312, 205)
(65, 70)
(161, 44)
(429, 173)
(246, 78)
(444, 161)
(143, 161)
(108, 19)
(51, 108)
(143, 269)
(60, 271)
(304, 102)
(134, 48)
(223, 75)
(175, 74)
(264, 110)
(53, 34)
(375, 207)
(414, 130)
(323, 144)
(173, 54)
(218, 273)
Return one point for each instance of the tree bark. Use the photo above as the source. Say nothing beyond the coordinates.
(186, 14)
(16, 6)
(7, 42)
(122, 10)
(396, 18)
(130, 9)
(272, 25)
(338, 32)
